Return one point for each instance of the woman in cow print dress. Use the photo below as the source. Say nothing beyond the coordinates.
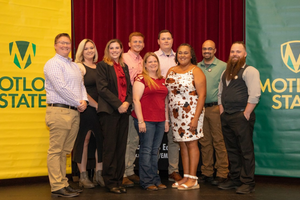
(187, 90)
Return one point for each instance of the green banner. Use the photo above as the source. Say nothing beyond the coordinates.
(273, 47)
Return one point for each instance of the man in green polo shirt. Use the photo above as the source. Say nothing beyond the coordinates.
(213, 141)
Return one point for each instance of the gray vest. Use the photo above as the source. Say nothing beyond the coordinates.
(235, 95)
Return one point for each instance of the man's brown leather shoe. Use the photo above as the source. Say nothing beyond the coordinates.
(152, 188)
(134, 178)
(175, 176)
(127, 183)
(161, 186)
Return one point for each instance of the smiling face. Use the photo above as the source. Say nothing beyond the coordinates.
(237, 52)
(89, 51)
(115, 51)
(208, 50)
(151, 65)
(136, 44)
(63, 46)
(184, 55)
(165, 42)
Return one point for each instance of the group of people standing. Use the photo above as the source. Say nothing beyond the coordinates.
(108, 108)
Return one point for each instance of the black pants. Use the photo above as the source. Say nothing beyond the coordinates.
(238, 133)
(115, 131)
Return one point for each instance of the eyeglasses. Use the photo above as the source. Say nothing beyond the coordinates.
(63, 43)
(209, 49)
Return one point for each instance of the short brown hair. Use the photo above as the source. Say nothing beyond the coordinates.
(164, 31)
(61, 35)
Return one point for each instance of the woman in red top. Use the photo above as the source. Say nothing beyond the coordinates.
(151, 119)
(114, 100)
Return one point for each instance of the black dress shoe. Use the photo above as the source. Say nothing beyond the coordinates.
(115, 190)
(228, 184)
(70, 189)
(217, 181)
(203, 179)
(64, 193)
(122, 189)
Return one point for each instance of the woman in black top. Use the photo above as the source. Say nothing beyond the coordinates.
(89, 141)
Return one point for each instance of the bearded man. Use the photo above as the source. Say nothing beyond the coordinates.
(239, 92)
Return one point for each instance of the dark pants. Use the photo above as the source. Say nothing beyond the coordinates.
(238, 132)
(115, 130)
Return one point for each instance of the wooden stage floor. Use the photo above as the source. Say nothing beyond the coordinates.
(267, 188)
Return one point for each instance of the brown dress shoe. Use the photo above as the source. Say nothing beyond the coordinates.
(127, 183)
(152, 188)
(175, 176)
(161, 186)
(134, 178)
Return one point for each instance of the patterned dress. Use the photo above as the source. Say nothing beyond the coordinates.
(182, 104)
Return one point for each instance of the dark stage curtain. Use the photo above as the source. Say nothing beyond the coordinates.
(190, 21)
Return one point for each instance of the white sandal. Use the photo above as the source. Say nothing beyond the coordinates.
(195, 186)
(175, 185)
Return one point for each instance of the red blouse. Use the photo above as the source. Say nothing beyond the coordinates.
(153, 101)
(122, 84)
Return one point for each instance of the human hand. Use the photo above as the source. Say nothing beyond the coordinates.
(247, 116)
(167, 126)
(82, 106)
(193, 125)
(124, 107)
(142, 127)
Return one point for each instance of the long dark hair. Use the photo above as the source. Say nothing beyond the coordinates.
(193, 59)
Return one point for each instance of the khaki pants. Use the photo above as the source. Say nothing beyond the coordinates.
(132, 145)
(213, 141)
(63, 124)
(173, 153)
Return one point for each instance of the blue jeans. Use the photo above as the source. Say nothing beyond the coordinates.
(148, 153)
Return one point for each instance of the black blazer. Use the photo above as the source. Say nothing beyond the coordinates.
(107, 86)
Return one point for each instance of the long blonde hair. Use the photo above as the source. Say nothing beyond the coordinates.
(79, 54)
(107, 59)
(148, 80)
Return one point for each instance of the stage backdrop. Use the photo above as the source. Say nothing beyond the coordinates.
(28, 29)
(190, 21)
(273, 46)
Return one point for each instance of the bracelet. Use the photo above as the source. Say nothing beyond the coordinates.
(141, 122)
(167, 120)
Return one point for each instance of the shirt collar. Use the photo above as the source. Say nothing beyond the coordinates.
(133, 55)
(214, 63)
(63, 58)
(161, 53)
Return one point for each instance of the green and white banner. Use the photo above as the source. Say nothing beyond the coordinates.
(273, 47)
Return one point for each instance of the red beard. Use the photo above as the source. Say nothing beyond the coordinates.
(233, 67)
